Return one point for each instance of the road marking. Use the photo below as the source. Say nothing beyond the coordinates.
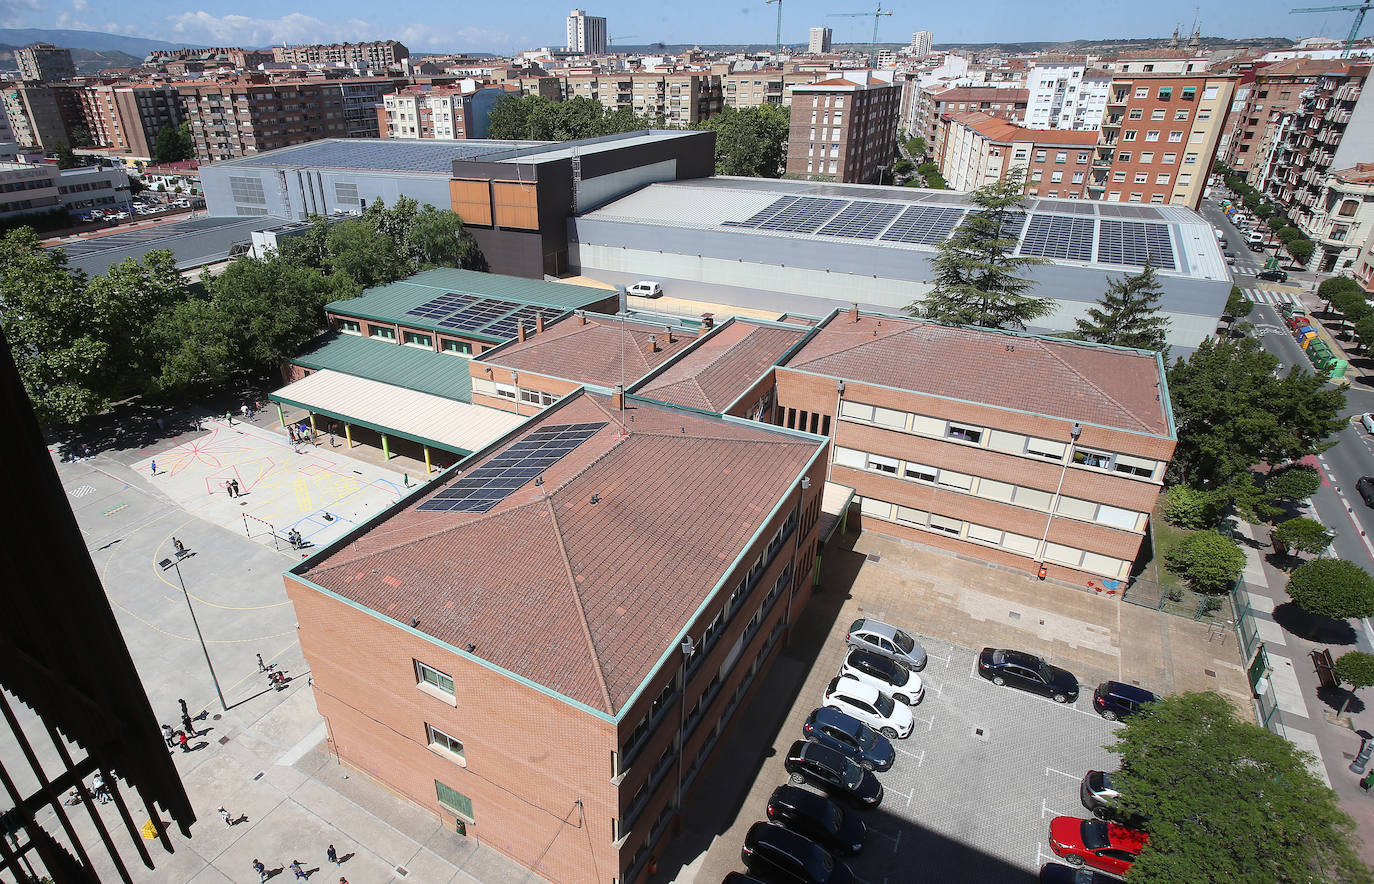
(1050, 770)
(930, 722)
(82, 491)
(919, 756)
(1045, 808)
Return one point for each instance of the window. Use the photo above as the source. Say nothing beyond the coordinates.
(505, 391)
(1076, 509)
(1063, 555)
(909, 516)
(920, 473)
(1152, 135)
(1089, 458)
(1203, 115)
(1157, 198)
(995, 490)
(1181, 114)
(1165, 92)
(945, 524)
(1061, 156)
(1135, 197)
(1157, 113)
(415, 339)
(1128, 135)
(1118, 518)
(440, 740)
(986, 535)
(428, 675)
(454, 801)
(879, 463)
(1124, 157)
(888, 417)
(1209, 93)
(1135, 466)
(1040, 156)
(1176, 137)
(1147, 157)
(1136, 113)
(1169, 159)
(951, 479)
(1118, 176)
(1190, 92)
(1184, 179)
(1083, 157)
(1056, 177)
(462, 348)
(1036, 175)
(381, 331)
(1142, 91)
(856, 410)
(1077, 177)
(351, 326)
(537, 397)
(1162, 179)
(1190, 159)
(964, 433)
(1142, 177)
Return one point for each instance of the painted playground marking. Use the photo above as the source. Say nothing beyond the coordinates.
(82, 490)
(113, 510)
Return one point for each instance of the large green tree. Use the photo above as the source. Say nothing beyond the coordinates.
(977, 273)
(129, 299)
(173, 144)
(197, 345)
(1332, 588)
(751, 142)
(1128, 313)
(1231, 413)
(535, 118)
(1208, 561)
(1226, 800)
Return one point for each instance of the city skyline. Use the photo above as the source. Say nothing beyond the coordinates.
(427, 28)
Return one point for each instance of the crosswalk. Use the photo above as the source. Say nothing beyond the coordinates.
(1273, 299)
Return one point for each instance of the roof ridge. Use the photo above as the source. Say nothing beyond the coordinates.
(1044, 346)
(577, 602)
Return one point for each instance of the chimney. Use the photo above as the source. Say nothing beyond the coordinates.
(582, 317)
(668, 330)
(653, 343)
(854, 312)
(520, 331)
(708, 322)
(618, 398)
(539, 322)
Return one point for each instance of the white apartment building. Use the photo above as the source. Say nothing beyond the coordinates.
(1066, 95)
(921, 42)
(820, 41)
(586, 33)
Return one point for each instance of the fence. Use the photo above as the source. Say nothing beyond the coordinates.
(1176, 600)
(1256, 659)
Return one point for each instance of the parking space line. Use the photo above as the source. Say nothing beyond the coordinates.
(906, 795)
(895, 839)
(1050, 770)
(1045, 808)
(1040, 854)
(930, 722)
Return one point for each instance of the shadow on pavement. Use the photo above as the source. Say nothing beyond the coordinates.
(1312, 627)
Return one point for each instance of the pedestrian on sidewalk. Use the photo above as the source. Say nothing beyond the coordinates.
(229, 418)
(189, 726)
(300, 872)
(332, 855)
(229, 488)
(169, 735)
(262, 667)
(185, 710)
(185, 743)
(238, 492)
(224, 814)
(179, 547)
(243, 410)
(260, 869)
(291, 432)
(153, 466)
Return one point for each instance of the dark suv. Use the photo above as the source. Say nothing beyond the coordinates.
(846, 734)
(1113, 699)
(833, 773)
(784, 857)
(818, 818)
(1273, 275)
(1365, 485)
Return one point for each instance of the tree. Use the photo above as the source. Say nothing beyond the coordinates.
(751, 142)
(1356, 669)
(916, 146)
(1286, 233)
(126, 302)
(1237, 304)
(1364, 332)
(437, 238)
(197, 346)
(1190, 508)
(1332, 588)
(1207, 561)
(1226, 800)
(1334, 286)
(1293, 482)
(903, 166)
(1301, 248)
(1277, 223)
(539, 119)
(1264, 210)
(976, 270)
(173, 144)
(1302, 535)
(1230, 413)
(66, 159)
(1128, 313)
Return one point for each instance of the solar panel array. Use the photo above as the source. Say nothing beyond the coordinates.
(861, 220)
(507, 327)
(804, 215)
(1013, 224)
(1054, 236)
(763, 214)
(1135, 242)
(926, 225)
(386, 155)
(476, 315)
(437, 308)
(498, 478)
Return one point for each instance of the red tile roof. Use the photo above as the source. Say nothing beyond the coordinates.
(591, 352)
(713, 374)
(1107, 386)
(583, 598)
(998, 129)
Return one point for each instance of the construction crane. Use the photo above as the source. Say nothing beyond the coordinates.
(611, 41)
(1359, 11)
(878, 14)
(778, 48)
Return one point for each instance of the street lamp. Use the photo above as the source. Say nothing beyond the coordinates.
(175, 563)
(1074, 432)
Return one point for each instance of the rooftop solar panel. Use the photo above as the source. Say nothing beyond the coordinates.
(386, 155)
(480, 313)
(861, 220)
(924, 224)
(1135, 242)
(441, 306)
(1013, 224)
(1055, 236)
(763, 214)
(495, 480)
(805, 215)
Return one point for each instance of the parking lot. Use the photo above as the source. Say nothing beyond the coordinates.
(975, 786)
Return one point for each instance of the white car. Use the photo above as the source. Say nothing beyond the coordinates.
(869, 705)
(1368, 420)
(883, 673)
(645, 289)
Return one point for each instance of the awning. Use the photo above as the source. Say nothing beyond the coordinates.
(422, 417)
(835, 501)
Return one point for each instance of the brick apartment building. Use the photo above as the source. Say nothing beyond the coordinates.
(1014, 449)
(128, 117)
(843, 129)
(1159, 137)
(680, 98)
(1004, 102)
(768, 86)
(43, 115)
(377, 54)
(439, 113)
(236, 57)
(1274, 91)
(978, 149)
(548, 667)
(44, 63)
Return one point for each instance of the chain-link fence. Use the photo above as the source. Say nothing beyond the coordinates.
(1256, 660)
(1176, 600)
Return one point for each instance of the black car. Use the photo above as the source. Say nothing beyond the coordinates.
(1055, 873)
(846, 734)
(1113, 699)
(1365, 485)
(832, 772)
(818, 818)
(1029, 673)
(1273, 275)
(781, 856)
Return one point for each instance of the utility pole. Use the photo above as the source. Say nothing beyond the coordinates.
(777, 49)
(880, 12)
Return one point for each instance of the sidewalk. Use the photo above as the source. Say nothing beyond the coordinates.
(1306, 722)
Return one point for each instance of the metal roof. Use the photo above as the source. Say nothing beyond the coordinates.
(441, 374)
(424, 417)
(192, 243)
(379, 154)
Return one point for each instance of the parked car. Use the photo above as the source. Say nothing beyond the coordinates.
(885, 674)
(1096, 793)
(1255, 245)
(1230, 257)
(1113, 699)
(1057, 873)
(818, 818)
(845, 733)
(871, 706)
(1365, 485)
(1367, 420)
(888, 640)
(1096, 844)
(1029, 673)
(833, 773)
(782, 856)
(645, 289)
(1273, 275)
(1254, 236)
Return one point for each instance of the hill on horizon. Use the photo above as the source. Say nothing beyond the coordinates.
(97, 41)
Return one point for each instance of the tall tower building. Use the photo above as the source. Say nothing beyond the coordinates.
(820, 40)
(586, 33)
(43, 62)
(921, 42)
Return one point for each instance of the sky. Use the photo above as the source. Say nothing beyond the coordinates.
(495, 27)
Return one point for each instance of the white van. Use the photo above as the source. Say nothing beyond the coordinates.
(645, 289)
(1254, 236)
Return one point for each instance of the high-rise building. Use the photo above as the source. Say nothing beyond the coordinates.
(921, 42)
(42, 62)
(843, 129)
(1275, 91)
(1065, 94)
(586, 33)
(377, 54)
(129, 117)
(820, 40)
(44, 114)
(978, 149)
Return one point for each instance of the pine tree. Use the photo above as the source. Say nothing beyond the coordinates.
(976, 281)
(1128, 313)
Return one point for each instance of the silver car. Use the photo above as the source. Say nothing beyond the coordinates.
(887, 640)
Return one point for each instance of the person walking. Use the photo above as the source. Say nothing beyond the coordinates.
(260, 869)
(189, 726)
(243, 410)
(169, 735)
(300, 872)
(229, 488)
(185, 743)
(332, 855)
(238, 492)
(185, 710)
(153, 466)
(229, 418)
(224, 814)
(262, 667)
(179, 547)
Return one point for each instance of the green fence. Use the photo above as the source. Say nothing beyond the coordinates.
(1176, 600)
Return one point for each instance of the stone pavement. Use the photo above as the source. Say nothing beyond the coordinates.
(1308, 716)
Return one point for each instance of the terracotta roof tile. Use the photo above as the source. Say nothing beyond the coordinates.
(714, 373)
(998, 129)
(590, 353)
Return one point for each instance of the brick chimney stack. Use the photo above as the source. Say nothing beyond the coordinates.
(653, 343)
(618, 398)
(582, 317)
(708, 322)
(539, 322)
(854, 312)
(668, 330)
(520, 331)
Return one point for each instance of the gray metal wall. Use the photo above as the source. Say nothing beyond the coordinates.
(296, 193)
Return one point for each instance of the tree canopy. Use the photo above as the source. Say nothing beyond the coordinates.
(751, 142)
(1226, 800)
(1332, 588)
(1128, 313)
(173, 144)
(976, 270)
(1208, 561)
(536, 118)
(1302, 535)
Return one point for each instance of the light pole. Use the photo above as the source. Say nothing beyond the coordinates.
(175, 563)
(1074, 433)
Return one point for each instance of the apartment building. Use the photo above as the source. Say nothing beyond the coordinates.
(1065, 94)
(921, 42)
(1341, 218)
(766, 86)
(1273, 92)
(586, 34)
(1008, 103)
(509, 667)
(232, 56)
(843, 129)
(978, 149)
(680, 98)
(43, 115)
(128, 117)
(44, 63)
(379, 54)
(1013, 449)
(1159, 137)
(819, 41)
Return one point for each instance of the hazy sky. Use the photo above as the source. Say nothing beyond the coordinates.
(499, 27)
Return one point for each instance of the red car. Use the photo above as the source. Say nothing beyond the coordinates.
(1096, 843)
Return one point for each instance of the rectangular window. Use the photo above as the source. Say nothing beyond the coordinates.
(908, 516)
(881, 464)
(1046, 448)
(1152, 135)
(964, 433)
(985, 534)
(1136, 113)
(462, 348)
(919, 472)
(946, 524)
(1208, 92)
(1077, 509)
(1117, 517)
(951, 479)
(505, 391)
(1100, 564)
(1175, 137)
(381, 331)
(996, 490)
(927, 425)
(1190, 159)
(1061, 156)
(1142, 92)
(1077, 177)
(1040, 156)
(1063, 555)
(1181, 114)
(1033, 498)
(1162, 179)
(887, 417)
(848, 457)
(1011, 443)
(1118, 176)
(1088, 458)
(415, 339)
(1169, 159)
(1142, 177)
(1135, 198)
(1165, 92)
(1019, 543)
(1056, 177)
(1147, 157)
(350, 326)
(1157, 113)
(1135, 466)
(440, 740)
(1124, 156)
(1083, 157)
(428, 675)
(856, 410)
(1128, 135)
(877, 508)
(454, 801)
